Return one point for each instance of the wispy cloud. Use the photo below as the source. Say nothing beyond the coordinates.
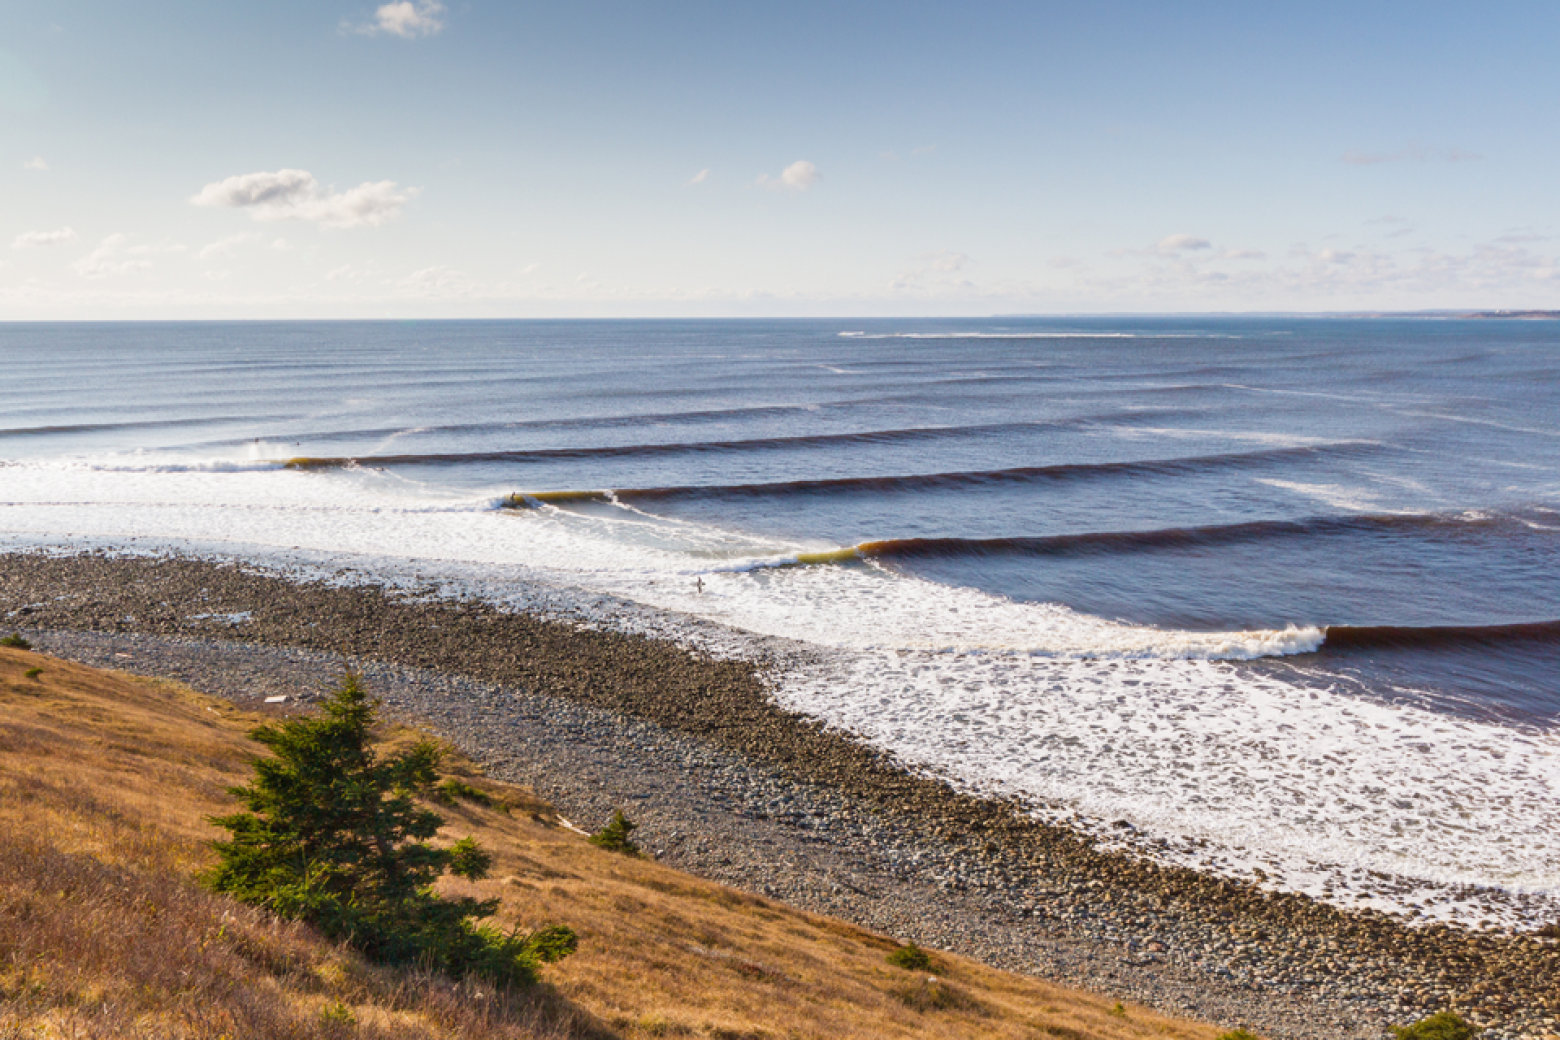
(407, 19)
(936, 273)
(1175, 245)
(226, 247)
(116, 255)
(799, 176)
(439, 282)
(296, 195)
(700, 177)
(1410, 153)
(30, 239)
(37, 163)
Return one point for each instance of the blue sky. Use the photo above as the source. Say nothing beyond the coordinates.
(591, 158)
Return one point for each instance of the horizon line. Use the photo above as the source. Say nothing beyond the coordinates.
(1507, 313)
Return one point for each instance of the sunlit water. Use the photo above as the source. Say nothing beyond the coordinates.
(1285, 592)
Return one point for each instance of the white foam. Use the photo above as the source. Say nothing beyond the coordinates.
(1342, 497)
(136, 463)
(1088, 716)
(1312, 786)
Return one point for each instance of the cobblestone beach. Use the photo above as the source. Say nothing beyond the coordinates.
(728, 785)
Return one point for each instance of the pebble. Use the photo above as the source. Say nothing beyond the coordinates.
(726, 784)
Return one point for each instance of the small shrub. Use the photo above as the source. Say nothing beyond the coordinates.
(334, 835)
(15, 641)
(33, 673)
(1239, 1034)
(1441, 1026)
(933, 994)
(1549, 931)
(451, 789)
(469, 860)
(1119, 1011)
(615, 835)
(910, 957)
(337, 1014)
(553, 943)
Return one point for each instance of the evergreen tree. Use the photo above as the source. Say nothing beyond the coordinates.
(335, 835)
(615, 835)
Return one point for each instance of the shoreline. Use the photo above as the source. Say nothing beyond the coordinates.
(729, 785)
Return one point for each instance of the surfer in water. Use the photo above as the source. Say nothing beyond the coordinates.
(698, 583)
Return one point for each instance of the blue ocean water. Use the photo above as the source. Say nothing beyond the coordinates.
(1344, 515)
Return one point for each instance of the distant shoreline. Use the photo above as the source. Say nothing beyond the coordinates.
(1443, 315)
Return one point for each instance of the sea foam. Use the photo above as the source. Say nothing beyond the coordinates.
(1214, 763)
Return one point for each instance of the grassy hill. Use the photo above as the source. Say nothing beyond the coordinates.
(106, 781)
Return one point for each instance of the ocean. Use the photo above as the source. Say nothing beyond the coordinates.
(1276, 593)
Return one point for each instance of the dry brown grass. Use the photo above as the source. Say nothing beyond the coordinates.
(105, 784)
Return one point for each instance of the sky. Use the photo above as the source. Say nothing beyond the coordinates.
(494, 158)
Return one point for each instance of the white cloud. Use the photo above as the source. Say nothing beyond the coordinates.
(38, 163)
(296, 195)
(28, 239)
(110, 257)
(799, 176)
(1244, 254)
(407, 19)
(700, 177)
(1172, 245)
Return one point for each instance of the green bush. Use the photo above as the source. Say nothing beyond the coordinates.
(933, 994)
(337, 1014)
(615, 835)
(33, 673)
(1239, 1034)
(334, 836)
(910, 957)
(1441, 1026)
(15, 641)
(452, 789)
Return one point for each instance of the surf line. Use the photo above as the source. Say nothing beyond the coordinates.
(536, 499)
(823, 557)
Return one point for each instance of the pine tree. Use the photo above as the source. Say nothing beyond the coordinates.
(615, 835)
(335, 835)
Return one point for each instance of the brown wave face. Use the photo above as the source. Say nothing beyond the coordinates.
(534, 499)
(966, 479)
(949, 481)
(908, 435)
(1384, 637)
(1177, 537)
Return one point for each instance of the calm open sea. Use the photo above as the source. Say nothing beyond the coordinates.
(1289, 587)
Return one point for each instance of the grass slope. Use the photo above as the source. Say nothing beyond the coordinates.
(105, 784)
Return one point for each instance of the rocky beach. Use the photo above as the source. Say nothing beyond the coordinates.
(730, 786)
